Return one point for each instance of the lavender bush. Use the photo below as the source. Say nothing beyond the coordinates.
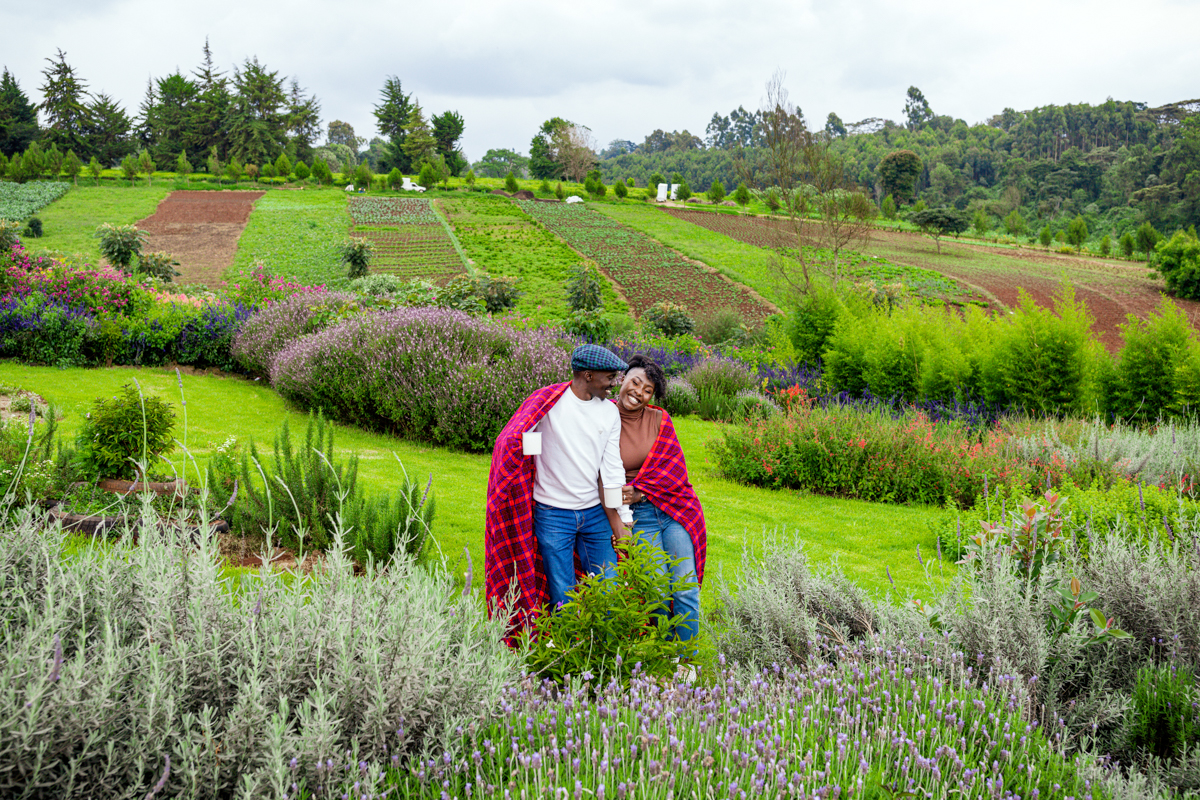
(273, 328)
(138, 669)
(425, 373)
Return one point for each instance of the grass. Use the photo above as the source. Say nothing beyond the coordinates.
(741, 262)
(70, 223)
(863, 537)
(296, 232)
(503, 240)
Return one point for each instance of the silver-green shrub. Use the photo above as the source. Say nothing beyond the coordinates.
(116, 657)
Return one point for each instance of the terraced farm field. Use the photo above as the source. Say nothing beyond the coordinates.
(642, 268)
(411, 239)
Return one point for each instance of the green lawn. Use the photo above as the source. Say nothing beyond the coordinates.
(863, 537)
(70, 222)
(296, 233)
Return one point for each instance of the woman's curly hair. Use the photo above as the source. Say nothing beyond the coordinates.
(653, 372)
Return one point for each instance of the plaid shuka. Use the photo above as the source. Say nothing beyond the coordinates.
(663, 479)
(510, 552)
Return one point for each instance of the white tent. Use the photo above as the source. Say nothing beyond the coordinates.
(662, 192)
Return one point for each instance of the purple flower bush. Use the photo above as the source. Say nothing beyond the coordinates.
(424, 373)
(279, 324)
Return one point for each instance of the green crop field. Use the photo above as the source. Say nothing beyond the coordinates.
(296, 234)
(410, 238)
(862, 537)
(70, 223)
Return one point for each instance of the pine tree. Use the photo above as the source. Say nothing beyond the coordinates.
(183, 166)
(94, 169)
(256, 123)
(18, 117)
(146, 164)
(283, 166)
(64, 104)
(303, 122)
(419, 144)
(211, 106)
(392, 121)
(73, 166)
(109, 137)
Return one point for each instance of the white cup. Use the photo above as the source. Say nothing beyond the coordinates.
(612, 496)
(531, 443)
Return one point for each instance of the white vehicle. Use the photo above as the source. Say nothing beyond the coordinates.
(409, 186)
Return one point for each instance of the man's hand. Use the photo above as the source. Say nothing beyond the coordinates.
(625, 531)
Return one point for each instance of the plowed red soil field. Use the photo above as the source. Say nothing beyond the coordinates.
(1111, 288)
(201, 230)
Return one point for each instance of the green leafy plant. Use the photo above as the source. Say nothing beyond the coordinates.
(1163, 721)
(125, 434)
(683, 192)
(559, 191)
(620, 189)
(741, 195)
(34, 227)
(301, 170)
(610, 626)
(355, 253)
(668, 319)
(1179, 263)
(716, 192)
(510, 182)
(158, 265)
(120, 244)
(588, 323)
(583, 289)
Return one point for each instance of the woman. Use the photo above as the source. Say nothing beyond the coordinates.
(666, 511)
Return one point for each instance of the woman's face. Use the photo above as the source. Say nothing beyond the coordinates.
(637, 390)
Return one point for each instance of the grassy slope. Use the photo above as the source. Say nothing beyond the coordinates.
(71, 221)
(864, 537)
(503, 240)
(295, 232)
(743, 263)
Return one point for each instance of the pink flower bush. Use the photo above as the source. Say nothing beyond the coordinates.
(260, 288)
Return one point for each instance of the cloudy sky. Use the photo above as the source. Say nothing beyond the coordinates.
(625, 68)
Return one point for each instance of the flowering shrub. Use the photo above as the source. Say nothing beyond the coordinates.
(99, 289)
(281, 323)
(260, 288)
(422, 372)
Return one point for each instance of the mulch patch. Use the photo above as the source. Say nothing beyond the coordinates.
(201, 230)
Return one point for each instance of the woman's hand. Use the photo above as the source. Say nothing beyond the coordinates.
(630, 495)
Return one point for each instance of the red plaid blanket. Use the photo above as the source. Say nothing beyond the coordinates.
(664, 480)
(509, 550)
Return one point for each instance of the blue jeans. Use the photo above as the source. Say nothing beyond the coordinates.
(560, 533)
(659, 529)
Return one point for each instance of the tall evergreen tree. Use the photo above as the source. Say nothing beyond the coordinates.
(142, 132)
(447, 130)
(64, 103)
(18, 117)
(303, 120)
(208, 111)
(170, 119)
(109, 134)
(392, 115)
(257, 121)
(419, 144)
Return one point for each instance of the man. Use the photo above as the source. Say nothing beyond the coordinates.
(545, 510)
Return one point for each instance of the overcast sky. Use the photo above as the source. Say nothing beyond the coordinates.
(625, 68)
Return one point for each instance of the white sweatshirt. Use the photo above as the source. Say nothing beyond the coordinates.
(581, 439)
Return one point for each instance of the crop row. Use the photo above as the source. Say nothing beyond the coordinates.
(414, 251)
(19, 201)
(392, 211)
(645, 270)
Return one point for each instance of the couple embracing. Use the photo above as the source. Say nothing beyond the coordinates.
(545, 515)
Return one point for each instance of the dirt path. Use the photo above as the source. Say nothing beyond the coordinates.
(201, 230)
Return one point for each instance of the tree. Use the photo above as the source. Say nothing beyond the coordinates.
(1077, 233)
(234, 170)
(343, 133)
(741, 195)
(256, 123)
(846, 215)
(1014, 223)
(283, 166)
(167, 121)
(898, 172)
(303, 115)
(543, 164)
(209, 108)
(419, 144)
(1105, 245)
(73, 166)
(916, 109)
(1045, 237)
(395, 179)
(1127, 244)
(939, 222)
(574, 150)
(498, 163)
(470, 178)
(447, 130)
(715, 193)
(888, 208)
(302, 171)
(18, 117)
(620, 189)
(391, 117)
(146, 164)
(54, 162)
(183, 166)
(683, 192)
(1179, 263)
(109, 130)
(510, 182)
(64, 104)
(980, 223)
(94, 169)
(1147, 237)
(834, 126)
(129, 168)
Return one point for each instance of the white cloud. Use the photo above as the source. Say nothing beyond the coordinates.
(625, 68)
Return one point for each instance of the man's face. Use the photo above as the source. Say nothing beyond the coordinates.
(599, 384)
